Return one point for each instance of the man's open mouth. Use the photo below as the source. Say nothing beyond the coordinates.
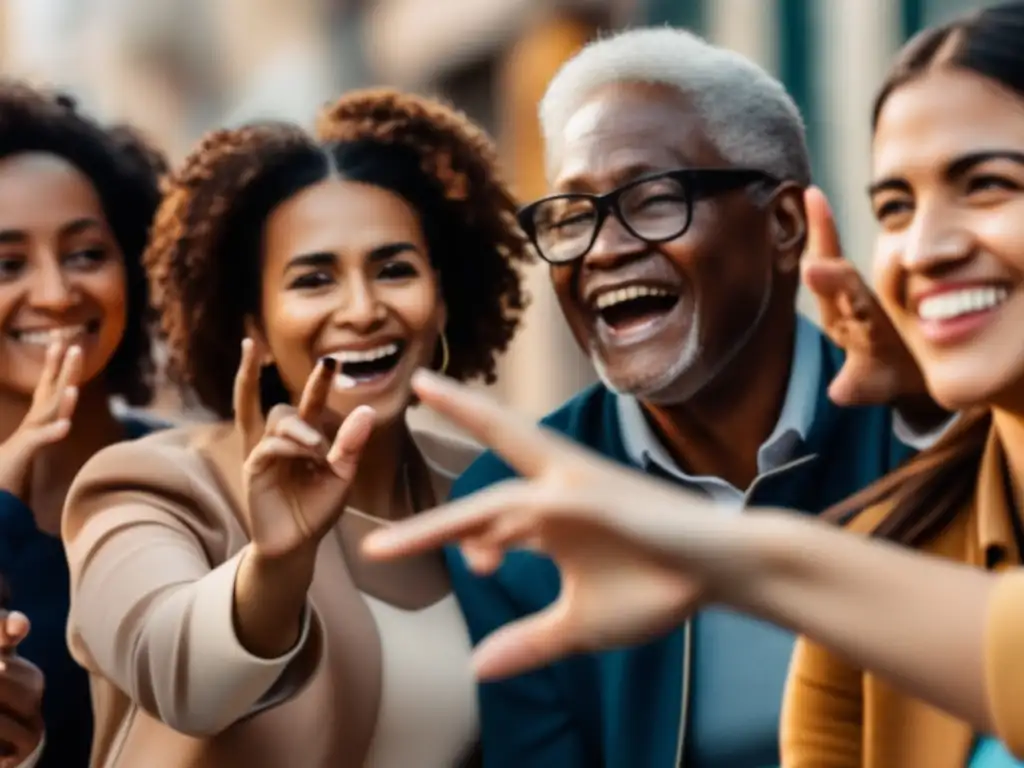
(623, 308)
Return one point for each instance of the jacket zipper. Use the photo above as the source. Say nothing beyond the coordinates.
(684, 706)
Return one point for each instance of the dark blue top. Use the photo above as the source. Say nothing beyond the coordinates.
(625, 708)
(36, 570)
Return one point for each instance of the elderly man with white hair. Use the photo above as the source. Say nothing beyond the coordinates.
(674, 233)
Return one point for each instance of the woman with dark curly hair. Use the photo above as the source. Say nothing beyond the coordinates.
(218, 601)
(76, 203)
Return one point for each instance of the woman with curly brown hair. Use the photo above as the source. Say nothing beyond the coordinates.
(76, 203)
(218, 600)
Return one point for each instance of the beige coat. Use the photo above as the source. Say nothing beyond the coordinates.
(154, 533)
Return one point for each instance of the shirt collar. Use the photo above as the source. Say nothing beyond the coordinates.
(643, 446)
(994, 505)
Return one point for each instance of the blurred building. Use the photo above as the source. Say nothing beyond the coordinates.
(179, 67)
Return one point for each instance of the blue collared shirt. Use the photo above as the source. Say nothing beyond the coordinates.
(645, 449)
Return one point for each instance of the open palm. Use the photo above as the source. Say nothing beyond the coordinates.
(295, 481)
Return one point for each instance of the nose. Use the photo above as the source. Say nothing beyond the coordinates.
(614, 246)
(936, 239)
(50, 288)
(360, 308)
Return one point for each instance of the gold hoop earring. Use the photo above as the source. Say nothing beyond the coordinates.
(444, 353)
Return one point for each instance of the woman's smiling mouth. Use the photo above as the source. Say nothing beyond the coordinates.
(367, 367)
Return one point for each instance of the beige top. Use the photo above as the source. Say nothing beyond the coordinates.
(154, 536)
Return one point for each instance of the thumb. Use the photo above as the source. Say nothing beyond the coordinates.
(352, 437)
(822, 234)
(525, 645)
(14, 628)
(829, 279)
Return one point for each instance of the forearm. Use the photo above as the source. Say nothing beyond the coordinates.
(269, 601)
(914, 619)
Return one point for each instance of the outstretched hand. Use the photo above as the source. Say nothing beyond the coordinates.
(21, 694)
(296, 482)
(620, 539)
(879, 368)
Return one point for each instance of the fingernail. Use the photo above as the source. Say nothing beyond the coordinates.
(341, 381)
(329, 363)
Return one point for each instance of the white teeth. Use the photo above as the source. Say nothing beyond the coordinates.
(945, 306)
(50, 335)
(365, 355)
(620, 295)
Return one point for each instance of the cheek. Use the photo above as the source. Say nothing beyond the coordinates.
(109, 290)
(886, 275)
(417, 307)
(292, 325)
(562, 279)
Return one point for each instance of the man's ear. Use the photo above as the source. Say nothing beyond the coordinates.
(259, 340)
(788, 226)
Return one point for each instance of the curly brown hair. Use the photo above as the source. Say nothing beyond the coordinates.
(125, 171)
(204, 254)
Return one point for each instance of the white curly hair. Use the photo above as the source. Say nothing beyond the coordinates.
(747, 113)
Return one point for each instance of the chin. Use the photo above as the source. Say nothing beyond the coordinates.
(660, 385)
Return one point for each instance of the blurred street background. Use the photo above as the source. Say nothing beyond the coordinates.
(176, 68)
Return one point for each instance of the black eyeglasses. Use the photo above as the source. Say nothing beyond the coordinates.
(655, 208)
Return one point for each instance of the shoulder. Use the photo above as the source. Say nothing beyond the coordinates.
(582, 418)
(445, 451)
(170, 469)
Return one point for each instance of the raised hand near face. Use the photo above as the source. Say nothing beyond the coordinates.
(21, 694)
(48, 419)
(879, 368)
(610, 531)
(296, 482)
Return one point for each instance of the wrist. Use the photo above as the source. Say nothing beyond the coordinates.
(289, 572)
(269, 600)
(766, 549)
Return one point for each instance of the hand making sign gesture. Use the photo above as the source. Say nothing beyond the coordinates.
(48, 419)
(621, 577)
(879, 368)
(295, 481)
(21, 694)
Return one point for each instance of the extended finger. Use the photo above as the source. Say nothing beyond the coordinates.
(844, 289)
(528, 448)
(273, 449)
(70, 369)
(822, 234)
(525, 645)
(350, 440)
(51, 365)
(318, 387)
(246, 398)
(67, 402)
(14, 628)
(467, 518)
(297, 430)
